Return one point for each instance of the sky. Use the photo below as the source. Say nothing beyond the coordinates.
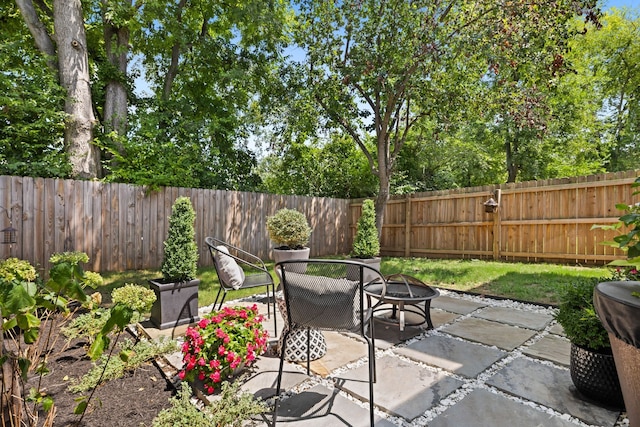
(621, 3)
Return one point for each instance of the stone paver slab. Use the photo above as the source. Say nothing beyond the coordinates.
(524, 319)
(549, 386)
(490, 333)
(455, 305)
(388, 334)
(557, 329)
(262, 378)
(402, 388)
(551, 347)
(454, 355)
(321, 407)
(441, 317)
(341, 350)
(482, 408)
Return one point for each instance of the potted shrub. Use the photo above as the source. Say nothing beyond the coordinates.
(221, 345)
(366, 245)
(591, 364)
(290, 232)
(177, 292)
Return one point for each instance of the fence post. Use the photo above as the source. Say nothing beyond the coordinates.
(407, 227)
(497, 227)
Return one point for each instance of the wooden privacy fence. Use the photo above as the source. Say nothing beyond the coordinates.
(123, 227)
(536, 221)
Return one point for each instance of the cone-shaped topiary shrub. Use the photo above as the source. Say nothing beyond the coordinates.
(366, 243)
(180, 250)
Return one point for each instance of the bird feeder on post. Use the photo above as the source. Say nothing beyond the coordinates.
(491, 206)
(9, 233)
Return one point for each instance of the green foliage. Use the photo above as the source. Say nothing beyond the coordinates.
(578, 317)
(233, 409)
(136, 297)
(19, 296)
(629, 241)
(66, 276)
(133, 355)
(182, 412)
(288, 228)
(334, 168)
(86, 325)
(24, 301)
(31, 105)
(180, 250)
(366, 243)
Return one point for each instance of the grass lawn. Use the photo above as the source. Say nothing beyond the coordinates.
(540, 283)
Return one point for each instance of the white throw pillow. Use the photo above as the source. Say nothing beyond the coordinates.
(228, 269)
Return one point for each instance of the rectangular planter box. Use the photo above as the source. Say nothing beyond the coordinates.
(176, 303)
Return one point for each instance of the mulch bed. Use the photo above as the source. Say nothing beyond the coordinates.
(131, 401)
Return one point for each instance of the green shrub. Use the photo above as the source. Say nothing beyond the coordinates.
(233, 409)
(180, 250)
(132, 355)
(136, 297)
(86, 325)
(289, 229)
(366, 243)
(578, 317)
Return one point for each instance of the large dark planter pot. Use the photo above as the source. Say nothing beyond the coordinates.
(353, 272)
(176, 303)
(619, 312)
(594, 375)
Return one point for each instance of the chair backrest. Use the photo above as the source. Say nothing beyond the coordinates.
(229, 273)
(326, 294)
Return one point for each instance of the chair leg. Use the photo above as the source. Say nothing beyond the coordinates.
(273, 301)
(221, 289)
(308, 351)
(372, 354)
(279, 381)
(372, 375)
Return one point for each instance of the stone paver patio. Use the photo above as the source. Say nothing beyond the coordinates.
(486, 363)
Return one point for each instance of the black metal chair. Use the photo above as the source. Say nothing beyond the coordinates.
(239, 269)
(328, 295)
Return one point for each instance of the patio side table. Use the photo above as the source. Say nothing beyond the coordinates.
(404, 293)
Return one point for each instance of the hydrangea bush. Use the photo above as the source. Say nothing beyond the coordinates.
(222, 342)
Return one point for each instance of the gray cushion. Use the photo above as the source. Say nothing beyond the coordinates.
(323, 302)
(228, 269)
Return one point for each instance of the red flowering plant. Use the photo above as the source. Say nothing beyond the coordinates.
(220, 343)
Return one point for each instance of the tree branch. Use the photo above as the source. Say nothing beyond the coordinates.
(43, 40)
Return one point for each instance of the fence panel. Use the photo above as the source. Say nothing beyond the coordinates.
(123, 227)
(547, 221)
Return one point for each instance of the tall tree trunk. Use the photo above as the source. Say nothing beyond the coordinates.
(116, 97)
(73, 66)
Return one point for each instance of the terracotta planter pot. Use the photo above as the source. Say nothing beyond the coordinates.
(176, 303)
